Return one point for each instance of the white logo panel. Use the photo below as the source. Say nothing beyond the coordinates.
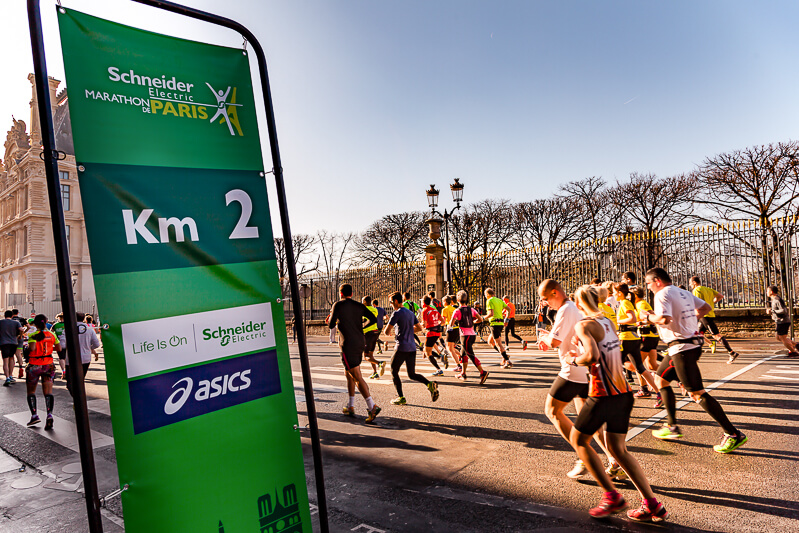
(172, 342)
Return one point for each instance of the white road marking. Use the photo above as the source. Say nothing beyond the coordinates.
(321, 388)
(367, 529)
(63, 432)
(649, 422)
(112, 517)
(771, 376)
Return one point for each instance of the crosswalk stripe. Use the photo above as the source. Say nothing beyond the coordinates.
(771, 376)
(63, 432)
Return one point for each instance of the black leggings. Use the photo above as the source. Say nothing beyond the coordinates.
(510, 328)
(409, 360)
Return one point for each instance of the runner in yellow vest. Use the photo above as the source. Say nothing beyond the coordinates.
(371, 335)
(707, 322)
(627, 319)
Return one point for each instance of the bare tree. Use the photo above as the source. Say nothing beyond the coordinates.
(597, 217)
(481, 230)
(305, 261)
(652, 205)
(760, 182)
(392, 240)
(334, 252)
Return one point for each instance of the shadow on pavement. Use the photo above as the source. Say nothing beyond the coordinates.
(770, 506)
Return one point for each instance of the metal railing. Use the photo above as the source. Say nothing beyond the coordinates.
(738, 259)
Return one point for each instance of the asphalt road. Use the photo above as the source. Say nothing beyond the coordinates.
(481, 458)
(486, 458)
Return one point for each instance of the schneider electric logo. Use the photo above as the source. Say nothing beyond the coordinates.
(244, 332)
(171, 397)
(165, 343)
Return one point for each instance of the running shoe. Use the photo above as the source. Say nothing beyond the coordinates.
(712, 346)
(12, 380)
(667, 432)
(659, 402)
(373, 412)
(438, 372)
(733, 357)
(615, 471)
(793, 355)
(34, 420)
(49, 423)
(509, 364)
(524, 345)
(21, 373)
(7, 382)
(399, 401)
(375, 376)
(462, 376)
(730, 443)
(349, 411)
(609, 505)
(458, 369)
(483, 377)
(445, 360)
(645, 514)
(381, 368)
(643, 393)
(433, 388)
(578, 471)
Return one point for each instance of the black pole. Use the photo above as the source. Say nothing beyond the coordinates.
(75, 375)
(316, 446)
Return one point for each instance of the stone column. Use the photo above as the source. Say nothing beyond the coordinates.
(434, 270)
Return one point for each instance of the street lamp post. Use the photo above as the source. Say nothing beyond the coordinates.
(432, 201)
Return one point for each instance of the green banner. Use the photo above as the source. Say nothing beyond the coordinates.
(178, 225)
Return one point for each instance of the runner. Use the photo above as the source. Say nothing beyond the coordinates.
(464, 318)
(453, 332)
(381, 322)
(10, 333)
(332, 330)
(40, 364)
(413, 307)
(609, 405)
(607, 310)
(431, 319)
(572, 381)
(404, 322)
(494, 314)
(707, 322)
(649, 342)
(88, 343)
(782, 320)
(58, 329)
(371, 334)
(22, 344)
(611, 300)
(676, 316)
(348, 315)
(627, 320)
(510, 322)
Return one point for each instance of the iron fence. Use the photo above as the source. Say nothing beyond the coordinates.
(738, 259)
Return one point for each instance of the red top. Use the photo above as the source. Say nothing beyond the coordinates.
(511, 310)
(431, 318)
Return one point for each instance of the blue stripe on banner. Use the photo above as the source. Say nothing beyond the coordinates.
(172, 397)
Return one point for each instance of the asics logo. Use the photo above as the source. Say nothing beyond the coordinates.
(206, 389)
(172, 406)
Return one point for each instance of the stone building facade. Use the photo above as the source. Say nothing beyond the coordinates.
(27, 254)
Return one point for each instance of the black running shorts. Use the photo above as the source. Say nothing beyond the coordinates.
(649, 343)
(632, 351)
(496, 330)
(783, 329)
(684, 367)
(429, 342)
(706, 323)
(564, 390)
(352, 360)
(453, 335)
(371, 340)
(611, 411)
(8, 350)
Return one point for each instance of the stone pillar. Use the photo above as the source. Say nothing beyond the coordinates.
(36, 130)
(434, 270)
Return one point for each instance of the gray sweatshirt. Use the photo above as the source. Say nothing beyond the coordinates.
(779, 311)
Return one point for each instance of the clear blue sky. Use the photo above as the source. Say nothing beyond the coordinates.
(376, 100)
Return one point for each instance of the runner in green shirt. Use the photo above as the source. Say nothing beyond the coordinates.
(495, 306)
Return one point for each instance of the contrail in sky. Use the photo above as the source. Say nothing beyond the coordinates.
(630, 100)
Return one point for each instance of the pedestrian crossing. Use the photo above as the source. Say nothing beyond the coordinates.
(63, 432)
